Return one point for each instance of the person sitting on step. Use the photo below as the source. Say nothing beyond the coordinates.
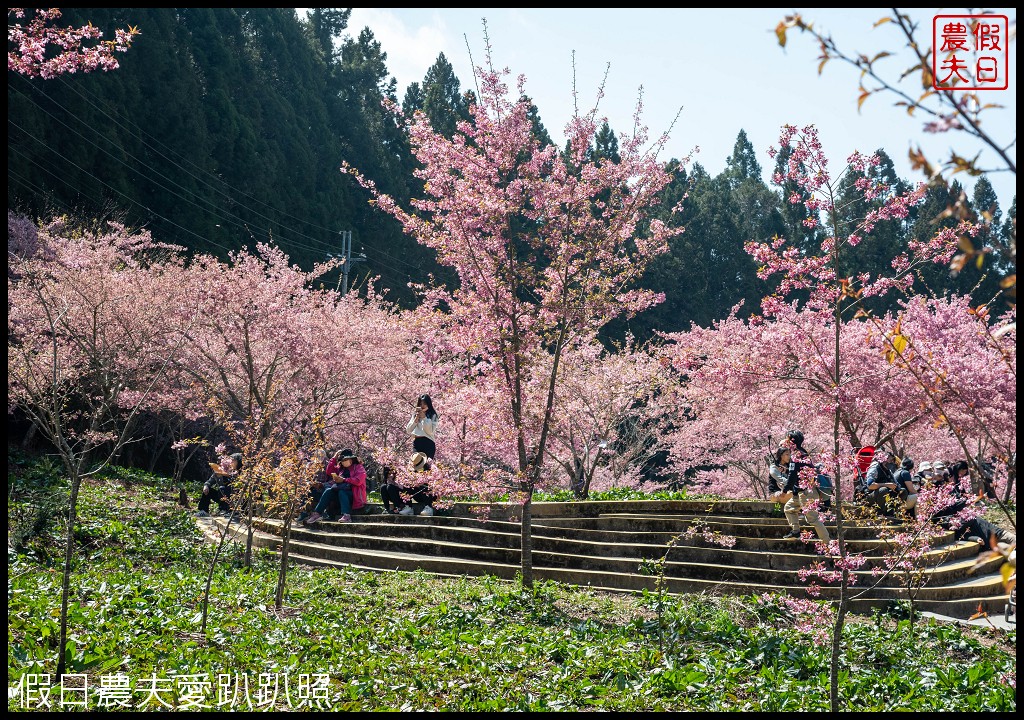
(318, 484)
(907, 487)
(348, 489)
(390, 491)
(778, 479)
(880, 487)
(420, 492)
(218, 487)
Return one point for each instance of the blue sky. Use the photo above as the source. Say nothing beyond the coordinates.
(724, 68)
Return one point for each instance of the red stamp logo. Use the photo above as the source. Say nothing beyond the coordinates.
(970, 52)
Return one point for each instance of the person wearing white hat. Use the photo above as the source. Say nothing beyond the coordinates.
(419, 493)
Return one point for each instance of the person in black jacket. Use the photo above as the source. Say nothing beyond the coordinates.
(218, 487)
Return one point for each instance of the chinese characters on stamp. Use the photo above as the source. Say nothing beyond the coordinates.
(970, 52)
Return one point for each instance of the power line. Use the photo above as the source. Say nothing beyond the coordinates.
(215, 212)
(142, 139)
(60, 177)
(134, 202)
(396, 273)
(400, 275)
(39, 190)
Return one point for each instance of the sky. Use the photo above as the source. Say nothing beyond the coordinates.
(712, 72)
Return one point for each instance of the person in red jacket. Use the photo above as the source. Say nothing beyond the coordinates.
(347, 487)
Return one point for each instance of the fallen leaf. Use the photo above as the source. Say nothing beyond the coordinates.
(979, 614)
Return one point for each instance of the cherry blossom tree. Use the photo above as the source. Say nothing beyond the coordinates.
(263, 329)
(86, 345)
(545, 246)
(43, 50)
(964, 363)
(789, 368)
(605, 414)
(744, 394)
(829, 294)
(962, 112)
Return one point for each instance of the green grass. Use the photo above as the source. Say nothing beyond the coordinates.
(410, 641)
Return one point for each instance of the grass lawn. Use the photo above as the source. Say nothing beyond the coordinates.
(353, 640)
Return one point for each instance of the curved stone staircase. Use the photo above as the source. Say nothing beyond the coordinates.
(614, 545)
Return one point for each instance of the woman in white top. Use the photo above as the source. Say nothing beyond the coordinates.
(421, 426)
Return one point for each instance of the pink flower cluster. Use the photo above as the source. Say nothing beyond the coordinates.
(33, 45)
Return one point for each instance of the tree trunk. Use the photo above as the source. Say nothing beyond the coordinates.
(837, 643)
(249, 531)
(69, 552)
(526, 540)
(162, 442)
(1011, 475)
(282, 571)
(209, 575)
(29, 436)
(837, 628)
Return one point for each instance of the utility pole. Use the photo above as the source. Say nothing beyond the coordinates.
(347, 259)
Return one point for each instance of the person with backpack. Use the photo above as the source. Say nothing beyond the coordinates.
(864, 457)
(881, 487)
(800, 472)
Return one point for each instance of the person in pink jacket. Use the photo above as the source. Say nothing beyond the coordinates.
(348, 487)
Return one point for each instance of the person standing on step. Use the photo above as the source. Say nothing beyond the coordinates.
(800, 480)
(422, 426)
(348, 489)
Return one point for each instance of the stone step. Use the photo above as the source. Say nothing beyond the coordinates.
(433, 538)
(626, 522)
(960, 597)
(669, 526)
(766, 528)
(776, 520)
(725, 566)
(616, 545)
(593, 508)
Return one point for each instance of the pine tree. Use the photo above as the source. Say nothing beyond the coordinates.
(443, 102)
(793, 213)
(742, 164)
